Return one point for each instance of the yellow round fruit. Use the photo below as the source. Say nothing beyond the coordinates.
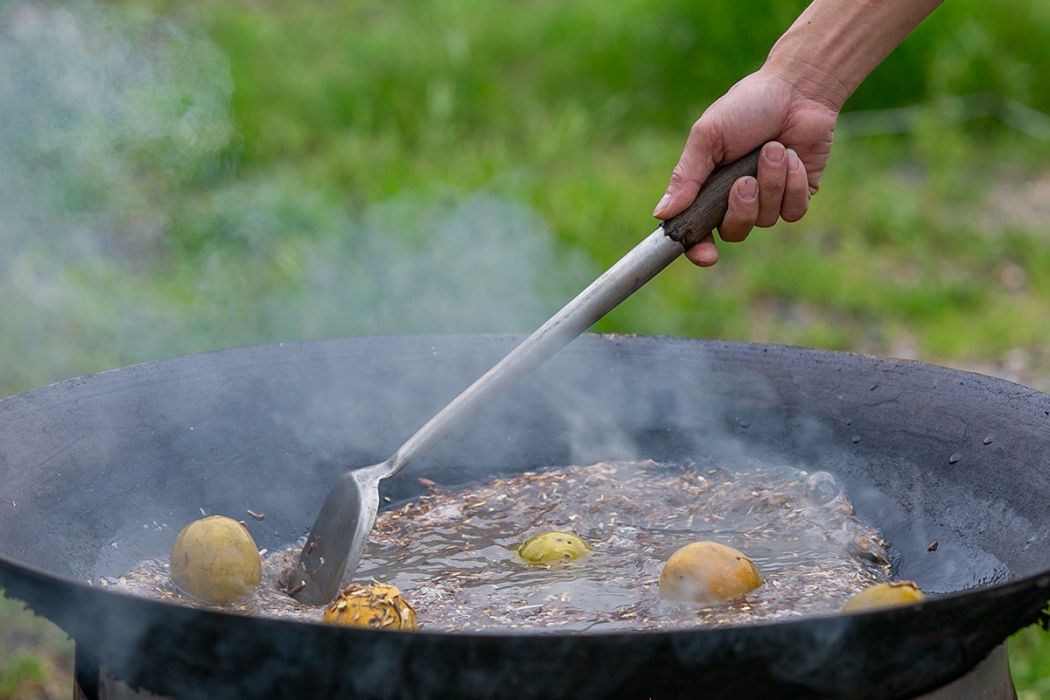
(884, 595)
(552, 546)
(379, 606)
(215, 560)
(708, 572)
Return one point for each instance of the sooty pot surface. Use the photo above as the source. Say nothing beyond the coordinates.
(100, 472)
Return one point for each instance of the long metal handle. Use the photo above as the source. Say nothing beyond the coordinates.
(633, 270)
(653, 254)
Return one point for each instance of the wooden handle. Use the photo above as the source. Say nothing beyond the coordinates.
(707, 210)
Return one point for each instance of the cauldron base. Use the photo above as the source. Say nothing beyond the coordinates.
(988, 680)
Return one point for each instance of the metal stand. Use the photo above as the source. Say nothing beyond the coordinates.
(93, 681)
(989, 680)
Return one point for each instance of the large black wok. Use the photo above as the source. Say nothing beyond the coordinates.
(92, 469)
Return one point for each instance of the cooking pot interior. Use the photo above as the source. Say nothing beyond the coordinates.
(98, 473)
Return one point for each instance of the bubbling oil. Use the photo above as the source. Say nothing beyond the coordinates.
(452, 552)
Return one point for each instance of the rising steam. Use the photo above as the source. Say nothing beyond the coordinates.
(128, 233)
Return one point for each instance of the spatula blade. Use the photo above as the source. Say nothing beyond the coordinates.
(337, 539)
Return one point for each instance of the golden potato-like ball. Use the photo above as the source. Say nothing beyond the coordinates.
(708, 572)
(553, 546)
(379, 606)
(884, 595)
(215, 560)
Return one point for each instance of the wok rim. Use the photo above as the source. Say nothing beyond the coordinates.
(630, 337)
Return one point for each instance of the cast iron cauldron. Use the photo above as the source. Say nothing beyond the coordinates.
(92, 469)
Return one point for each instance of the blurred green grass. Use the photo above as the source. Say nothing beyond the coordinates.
(928, 240)
(36, 658)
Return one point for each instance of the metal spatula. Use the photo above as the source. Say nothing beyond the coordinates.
(339, 534)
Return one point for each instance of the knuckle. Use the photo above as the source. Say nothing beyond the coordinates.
(698, 130)
(736, 226)
(772, 181)
(767, 219)
(731, 234)
(680, 175)
(771, 200)
(813, 180)
(706, 138)
(772, 187)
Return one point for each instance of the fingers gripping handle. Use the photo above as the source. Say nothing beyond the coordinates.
(709, 207)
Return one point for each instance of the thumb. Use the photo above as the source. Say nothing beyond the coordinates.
(697, 161)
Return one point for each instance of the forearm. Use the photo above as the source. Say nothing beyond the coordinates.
(834, 44)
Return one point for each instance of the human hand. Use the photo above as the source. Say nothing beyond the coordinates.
(762, 108)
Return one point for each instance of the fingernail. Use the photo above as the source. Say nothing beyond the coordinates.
(793, 162)
(664, 201)
(748, 188)
(775, 152)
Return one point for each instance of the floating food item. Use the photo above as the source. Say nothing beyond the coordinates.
(379, 606)
(553, 546)
(215, 560)
(462, 582)
(871, 550)
(708, 572)
(884, 595)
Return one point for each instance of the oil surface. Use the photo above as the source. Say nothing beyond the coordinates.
(453, 552)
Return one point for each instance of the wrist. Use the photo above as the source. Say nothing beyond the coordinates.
(835, 44)
(802, 68)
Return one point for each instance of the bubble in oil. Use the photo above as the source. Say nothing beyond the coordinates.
(821, 487)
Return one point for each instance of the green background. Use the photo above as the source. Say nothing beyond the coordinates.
(180, 177)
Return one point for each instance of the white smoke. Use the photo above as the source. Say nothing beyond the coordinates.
(127, 232)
